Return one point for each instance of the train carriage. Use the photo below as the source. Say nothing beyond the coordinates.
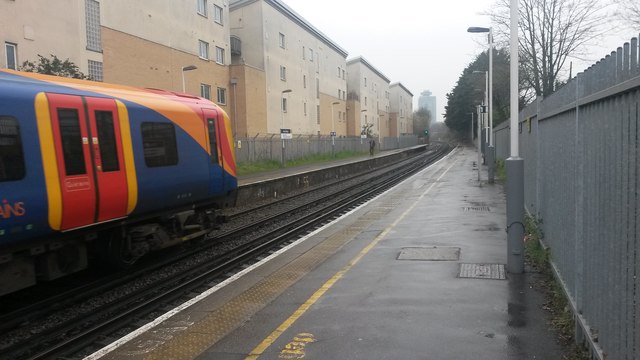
(84, 162)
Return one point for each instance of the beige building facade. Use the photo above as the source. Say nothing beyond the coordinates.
(401, 105)
(31, 28)
(304, 87)
(144, 43)
(149, 42)
(258, 59)
(368, 99)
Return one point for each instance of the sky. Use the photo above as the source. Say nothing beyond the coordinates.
(422, 44)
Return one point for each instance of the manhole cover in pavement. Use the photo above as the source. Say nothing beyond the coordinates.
(482, 271)
(431, 253)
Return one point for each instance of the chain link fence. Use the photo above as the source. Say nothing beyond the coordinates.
(270, 147)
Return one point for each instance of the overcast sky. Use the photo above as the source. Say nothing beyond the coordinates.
(422, 44)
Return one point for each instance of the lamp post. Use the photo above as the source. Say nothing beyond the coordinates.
(282, 134)
(491, 148)
(514, 164)
(485, 125)
(186, 68)
(363, 127)
(333, 129)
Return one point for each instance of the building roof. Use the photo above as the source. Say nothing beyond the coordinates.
(295, 17)
(366, 63)
(402, 86)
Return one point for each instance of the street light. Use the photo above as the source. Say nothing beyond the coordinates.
(490, 152)
(333, 129)
(485, 142)
(186, 68)
(282, 135)
(514, 164)
(363, 133)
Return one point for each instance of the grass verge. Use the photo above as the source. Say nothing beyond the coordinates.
(556, 302)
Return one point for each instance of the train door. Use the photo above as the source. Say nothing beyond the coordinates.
(88, 148)
(216, 174)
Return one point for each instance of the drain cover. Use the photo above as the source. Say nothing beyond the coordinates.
(482, 271)
(476, 208)
(431, 253)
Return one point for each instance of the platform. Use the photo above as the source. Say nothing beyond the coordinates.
(417, 273)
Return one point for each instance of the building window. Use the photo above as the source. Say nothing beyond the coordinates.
(305, 109)
(222, 96)
(204, 49)
(92, 17)
(219, 55)
(283, 73)
(159, 144)
(284, 104)
(339, 72)
(205, 91)
(339, 94)
(11, 155)
(95, 70)
(311, 55)
(12, 58)
(202, 7)
(343, 74)
(282, 40)
(318, 114)
(304, 53)
(317, 88)
(217, 14)
(365, 101)
(365, 81)
(304, 81)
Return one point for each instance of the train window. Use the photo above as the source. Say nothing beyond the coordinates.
(213, 140)
(159, 143)
(69, 122)
(11, 156)
(107, 141)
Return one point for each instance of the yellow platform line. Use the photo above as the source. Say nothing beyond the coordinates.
(269, 340)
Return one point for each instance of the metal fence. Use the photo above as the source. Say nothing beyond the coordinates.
(581, 152)
(269, 147)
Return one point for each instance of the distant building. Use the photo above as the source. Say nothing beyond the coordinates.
(368, 99)
(401, 116)
(428, 101)
(289, 74)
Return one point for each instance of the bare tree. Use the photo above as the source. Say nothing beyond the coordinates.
(629, 12)
(551, 32)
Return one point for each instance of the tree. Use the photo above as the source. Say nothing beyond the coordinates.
(629, 12)
(469, 92)
(53, 66)
(421, 121)
(550, 31)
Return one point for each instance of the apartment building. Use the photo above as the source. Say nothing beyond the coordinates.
(258, 59)
(401, 104)
(287, 74)
(144, 43)
(168, 44)
(368, 99)
(67, 30)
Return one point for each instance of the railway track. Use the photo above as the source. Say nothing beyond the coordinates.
(85, 318)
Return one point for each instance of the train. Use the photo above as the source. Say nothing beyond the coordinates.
(96, 170)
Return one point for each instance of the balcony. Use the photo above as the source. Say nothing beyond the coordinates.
(236, 46)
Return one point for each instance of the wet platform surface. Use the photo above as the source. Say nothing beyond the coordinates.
(417, 273)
